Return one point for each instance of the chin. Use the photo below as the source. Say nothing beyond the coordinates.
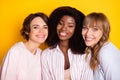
(88, 44)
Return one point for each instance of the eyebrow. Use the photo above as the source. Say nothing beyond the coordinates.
(39, 25)
(71, 22)
(35, 25)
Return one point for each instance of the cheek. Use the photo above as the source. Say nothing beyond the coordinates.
(33, 31)
(72, 31)
(83, 34)
(58, 27)
(99, 36)
(46, 32)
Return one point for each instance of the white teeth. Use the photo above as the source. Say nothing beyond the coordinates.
(88, 39)
(40, 36)
(63, 33)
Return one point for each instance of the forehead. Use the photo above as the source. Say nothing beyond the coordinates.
(92, 22)
(37, 20)
(67, 16)
(68, 19)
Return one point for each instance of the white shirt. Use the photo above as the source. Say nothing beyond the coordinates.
(109, 68)
(20, 64)
(53, 65)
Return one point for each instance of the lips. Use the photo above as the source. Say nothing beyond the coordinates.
(88, 39)
(40, 36)
(63, 33)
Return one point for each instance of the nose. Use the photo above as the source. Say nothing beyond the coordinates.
(88, 32)
(41, 30)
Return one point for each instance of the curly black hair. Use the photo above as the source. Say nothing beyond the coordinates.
(76, 43)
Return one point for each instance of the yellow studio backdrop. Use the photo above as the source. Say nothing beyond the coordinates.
(13, 12)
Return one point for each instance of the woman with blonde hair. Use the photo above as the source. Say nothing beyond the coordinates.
(105, 56)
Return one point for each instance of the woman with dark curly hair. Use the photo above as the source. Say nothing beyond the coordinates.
(105, 56)
(65, 58)
(22, 61)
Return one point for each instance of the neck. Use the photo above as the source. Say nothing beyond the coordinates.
(64, 46)
(32, 47)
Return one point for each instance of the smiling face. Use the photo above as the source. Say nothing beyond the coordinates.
(92, 34)
(66, 28)
(96, 29)
(38, 30)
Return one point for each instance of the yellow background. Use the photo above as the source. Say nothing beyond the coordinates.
(13, 12)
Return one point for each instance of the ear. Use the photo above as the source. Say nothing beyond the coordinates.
(26, 33)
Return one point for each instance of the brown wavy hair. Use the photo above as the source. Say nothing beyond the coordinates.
(27, 21)
(101, 21)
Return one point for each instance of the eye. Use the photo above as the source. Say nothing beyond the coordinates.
(71, 26)
(95, 29)
(35, 26)
(45, 27)
(60, 23)
(84, 28)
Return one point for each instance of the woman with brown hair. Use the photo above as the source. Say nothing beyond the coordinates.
(22, 61)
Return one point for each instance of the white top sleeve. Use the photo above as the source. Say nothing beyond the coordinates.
(109, 57)
(9, 68)
(21, 64)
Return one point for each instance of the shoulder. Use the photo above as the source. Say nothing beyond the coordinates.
(13, 53)
(51, 52)
(49, 55)
(48, 51)
(17, 46)
(110, 45)
(109, 54)
(15, 49)
(109, 48)
(109, 58)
